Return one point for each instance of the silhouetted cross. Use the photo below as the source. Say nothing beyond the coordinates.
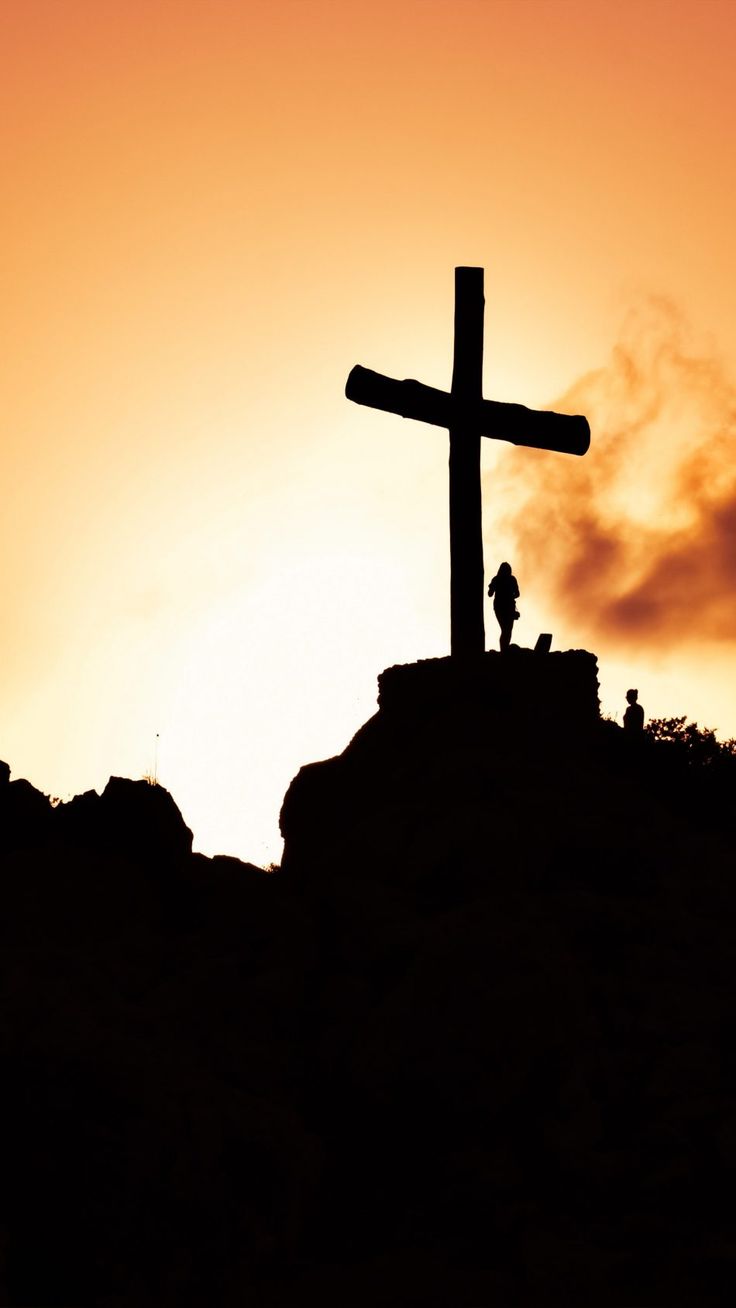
(468, 417)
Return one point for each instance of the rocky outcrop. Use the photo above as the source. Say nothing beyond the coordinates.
(129, 818)
(527, 930)
(132, 818)
(458, 761)
(473, 1044)
(25, 814)
(149, 1007)
(519, 691)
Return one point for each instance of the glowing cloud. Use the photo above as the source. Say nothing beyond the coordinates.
(636, 544)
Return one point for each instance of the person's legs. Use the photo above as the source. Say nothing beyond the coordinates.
(506, 623)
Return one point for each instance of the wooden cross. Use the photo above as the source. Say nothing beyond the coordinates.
(468, 417)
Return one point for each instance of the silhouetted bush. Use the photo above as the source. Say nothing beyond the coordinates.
(699, 745)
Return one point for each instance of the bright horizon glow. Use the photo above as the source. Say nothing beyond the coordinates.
(213, 212)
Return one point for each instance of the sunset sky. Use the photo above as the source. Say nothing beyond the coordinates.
(212, 210)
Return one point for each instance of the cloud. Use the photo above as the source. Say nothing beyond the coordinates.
(636, 542)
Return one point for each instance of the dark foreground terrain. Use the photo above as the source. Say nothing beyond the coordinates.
(473, 1044)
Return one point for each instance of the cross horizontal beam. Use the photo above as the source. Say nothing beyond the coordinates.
(540, 429)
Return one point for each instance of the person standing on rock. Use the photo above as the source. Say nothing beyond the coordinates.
(505, 591)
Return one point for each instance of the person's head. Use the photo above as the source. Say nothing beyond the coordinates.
(504, 570)
(632, 696)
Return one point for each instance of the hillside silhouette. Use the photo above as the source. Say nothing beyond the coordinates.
(473, 1043)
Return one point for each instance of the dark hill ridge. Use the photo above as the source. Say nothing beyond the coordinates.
(473, 1044)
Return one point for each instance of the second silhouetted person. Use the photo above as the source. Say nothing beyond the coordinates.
(634, 715)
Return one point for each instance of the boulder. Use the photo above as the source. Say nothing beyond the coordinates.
(132, 818)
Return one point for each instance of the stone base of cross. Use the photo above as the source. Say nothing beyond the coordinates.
(468, 417)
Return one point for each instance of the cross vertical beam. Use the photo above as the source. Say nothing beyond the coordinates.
(467, 631)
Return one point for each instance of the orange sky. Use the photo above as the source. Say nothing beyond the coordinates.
(211, 212)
